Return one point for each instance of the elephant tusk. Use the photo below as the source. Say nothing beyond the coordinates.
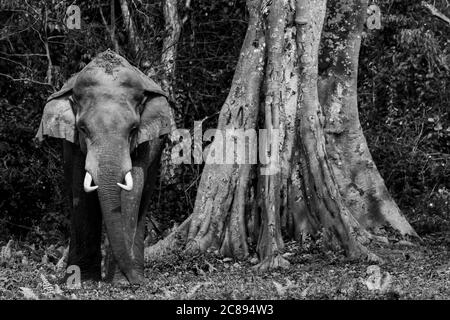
(87, 183)
(128, 186)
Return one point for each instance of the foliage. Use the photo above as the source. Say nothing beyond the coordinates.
(404, 96)
(30, 174)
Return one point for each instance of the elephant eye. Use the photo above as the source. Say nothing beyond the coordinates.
(83, 129)
(133, 130)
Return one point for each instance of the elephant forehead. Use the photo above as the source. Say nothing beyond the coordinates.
(108, 117)
(121, 79)
(100, 104)
(111, 116)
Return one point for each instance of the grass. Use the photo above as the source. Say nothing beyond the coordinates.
(415, 272)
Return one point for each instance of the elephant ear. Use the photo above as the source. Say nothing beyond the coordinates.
(156, 117)
(58, 119)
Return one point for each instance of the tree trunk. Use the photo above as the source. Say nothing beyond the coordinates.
(170, 45)
(133, 38)
(171, 174)
(113, 27)
(279, 111)
(298, 186)
(218, 220)
(359, 181)
(320, 187)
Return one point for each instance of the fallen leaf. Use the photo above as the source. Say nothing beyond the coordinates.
(28, 293)
(199, 270)
(279, 287)
(378, 281)
(58, 290)
(288, 254)
(47, 286)
(443, 269)
(167, 293)
(211, 268)
(386, 282)
(44, 259)
(305, 291)
(406, 243)
(6, 252)
(196, 288)
(373, 282)
(62, 262)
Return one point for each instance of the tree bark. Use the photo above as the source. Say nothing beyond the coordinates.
(218, 220)
(170, 172)
(279, 112)
(111, 29)
(320, 186)
(360, 184)
(298, 187)
(170, 42)
(133, 38)
(435, 12)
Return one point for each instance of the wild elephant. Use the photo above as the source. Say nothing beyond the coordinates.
(111, 118)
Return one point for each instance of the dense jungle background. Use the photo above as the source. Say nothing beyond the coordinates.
(404, 99)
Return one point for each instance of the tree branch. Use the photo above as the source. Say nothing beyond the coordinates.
(111, 30)
(47, 51)
(169, 51)
(129, 26)
(187, 6)
(113, 27)
(24, 54)
(26, 80)
(435, 12)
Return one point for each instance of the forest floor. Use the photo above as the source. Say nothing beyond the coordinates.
(408, 272)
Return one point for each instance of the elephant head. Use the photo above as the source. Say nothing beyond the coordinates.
(108, 109)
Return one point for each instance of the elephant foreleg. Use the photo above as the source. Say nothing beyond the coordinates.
(85, 218)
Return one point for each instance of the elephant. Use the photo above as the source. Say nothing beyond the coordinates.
(112, 119)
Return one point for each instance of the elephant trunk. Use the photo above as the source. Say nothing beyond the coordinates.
(109, 174)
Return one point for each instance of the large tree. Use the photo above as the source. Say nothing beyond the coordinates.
(316, 174)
